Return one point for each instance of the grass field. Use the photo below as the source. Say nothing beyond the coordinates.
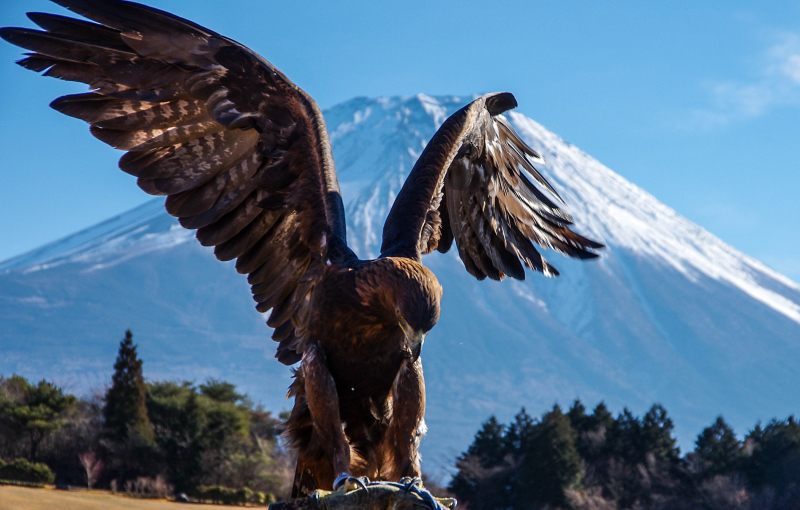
(23, 498)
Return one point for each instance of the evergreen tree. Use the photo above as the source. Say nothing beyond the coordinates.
(196, 433)
(31, 412)
(185, 451)
(478, 467)
(657, 437)
(625, 438)
(592, 429)
(775, 458)
(518, 434)
(718, 449)
(125, 411)
(488, 443)
(482, 477)
(601, 417)
(580, 421)
(551, 463)
(221, 391)
(589, 439)
(637, 464)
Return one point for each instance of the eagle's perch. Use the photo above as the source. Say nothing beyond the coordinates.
(243, 156)
(366, 495)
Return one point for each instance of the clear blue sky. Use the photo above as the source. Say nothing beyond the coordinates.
(696, 102)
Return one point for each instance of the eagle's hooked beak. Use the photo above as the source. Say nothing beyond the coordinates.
(415, 339)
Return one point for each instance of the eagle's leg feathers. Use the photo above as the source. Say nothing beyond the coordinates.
(323, 404)
(407, 426)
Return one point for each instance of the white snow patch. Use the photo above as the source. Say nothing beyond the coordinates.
(433, 108)
(619, 213)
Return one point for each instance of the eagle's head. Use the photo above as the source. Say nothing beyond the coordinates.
(417, 309)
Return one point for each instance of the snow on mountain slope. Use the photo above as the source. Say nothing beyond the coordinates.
(628, 217)
(668, 314)
(143, 229)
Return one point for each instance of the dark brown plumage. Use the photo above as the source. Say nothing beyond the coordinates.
(244, 157)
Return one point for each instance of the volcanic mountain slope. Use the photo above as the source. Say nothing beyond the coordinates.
(668, 314)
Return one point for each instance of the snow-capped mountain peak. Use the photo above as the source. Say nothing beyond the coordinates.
(669, 313)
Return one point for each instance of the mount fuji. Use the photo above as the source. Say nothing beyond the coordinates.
(669, 313)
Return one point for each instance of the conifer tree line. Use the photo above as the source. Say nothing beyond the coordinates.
(151, 438)
(168, 437)
(595, 461)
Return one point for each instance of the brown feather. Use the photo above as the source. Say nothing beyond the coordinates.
(149, 139)
(154, 115)
(183, 167)
(202, 198)
(79, 30)
(230, 224)
(493, 210)
(274, 241)
(244, 157)
(247, 237)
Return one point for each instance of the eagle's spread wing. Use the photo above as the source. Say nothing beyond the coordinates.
(241, 152)
(468, 185)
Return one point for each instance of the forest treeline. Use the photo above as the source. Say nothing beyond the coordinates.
(148, 438)
(595, 461)
(163, 438)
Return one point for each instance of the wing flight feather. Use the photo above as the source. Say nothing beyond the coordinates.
(240, 151)
(471, 186)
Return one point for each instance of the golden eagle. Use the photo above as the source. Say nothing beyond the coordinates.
(243, 156)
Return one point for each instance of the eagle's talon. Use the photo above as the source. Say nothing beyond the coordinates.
(349, 483)
(410, 482)
(340, 480)
(414, 486)
(447, 502)
(352, 483)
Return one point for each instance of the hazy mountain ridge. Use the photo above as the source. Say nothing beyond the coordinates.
(669, 313)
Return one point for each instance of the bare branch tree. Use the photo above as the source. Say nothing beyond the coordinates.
(93, 466)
